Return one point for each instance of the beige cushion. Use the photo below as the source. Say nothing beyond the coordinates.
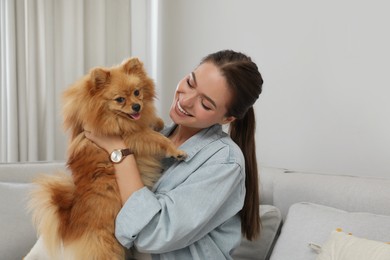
(342, 246)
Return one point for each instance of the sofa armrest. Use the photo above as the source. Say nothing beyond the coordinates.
(17, 234)
(26, 172)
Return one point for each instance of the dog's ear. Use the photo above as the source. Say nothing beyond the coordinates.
(99, 77)
(132, 65)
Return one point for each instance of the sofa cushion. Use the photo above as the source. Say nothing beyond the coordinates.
(259, 248)
(267, 176)
(342, 246)
(17, 234)
(354, 194)
(312, 223)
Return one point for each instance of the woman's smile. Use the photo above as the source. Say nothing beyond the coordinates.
(181, 110)
(201, 98)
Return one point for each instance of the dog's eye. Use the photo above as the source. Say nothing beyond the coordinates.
(120, 99)
(136, 93)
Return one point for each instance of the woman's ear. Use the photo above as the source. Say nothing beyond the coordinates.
(228, 120)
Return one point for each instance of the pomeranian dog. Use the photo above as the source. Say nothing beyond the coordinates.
(74, 213)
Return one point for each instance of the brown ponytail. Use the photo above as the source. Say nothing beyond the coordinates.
(245, 83)
(242, 131)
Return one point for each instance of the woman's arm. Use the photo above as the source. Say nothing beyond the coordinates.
(170, 219)
(127, 173)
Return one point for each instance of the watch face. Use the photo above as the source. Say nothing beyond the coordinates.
(116, 156)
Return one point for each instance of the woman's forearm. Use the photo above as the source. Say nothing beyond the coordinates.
(127, 174)
(128, 177)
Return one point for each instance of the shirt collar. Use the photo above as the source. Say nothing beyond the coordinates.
(194, 144)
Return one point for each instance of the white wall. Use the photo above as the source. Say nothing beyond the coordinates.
(325, 104)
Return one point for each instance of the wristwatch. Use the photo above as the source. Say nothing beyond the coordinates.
(118, 155)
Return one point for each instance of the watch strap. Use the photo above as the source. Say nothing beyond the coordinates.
(126, 152)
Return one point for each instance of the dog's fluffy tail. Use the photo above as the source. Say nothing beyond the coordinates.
(51, 201)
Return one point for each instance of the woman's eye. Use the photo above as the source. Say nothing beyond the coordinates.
(120, 100)
(189, 83)
(205, 107)
(136, 93)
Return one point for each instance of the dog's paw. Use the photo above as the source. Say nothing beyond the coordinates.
(179, 155)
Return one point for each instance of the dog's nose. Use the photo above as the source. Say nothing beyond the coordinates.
(136, 107)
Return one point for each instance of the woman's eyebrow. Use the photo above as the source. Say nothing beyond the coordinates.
(193, 77)
(206, 97)
(210, 100)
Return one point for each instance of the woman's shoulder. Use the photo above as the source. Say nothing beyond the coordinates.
(221, 147)
(231, 149)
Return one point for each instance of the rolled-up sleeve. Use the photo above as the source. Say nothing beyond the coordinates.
(136, 213)
(173, 219)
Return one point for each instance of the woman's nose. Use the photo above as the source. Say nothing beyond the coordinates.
(188, 99)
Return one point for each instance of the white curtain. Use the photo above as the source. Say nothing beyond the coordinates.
(45, 46)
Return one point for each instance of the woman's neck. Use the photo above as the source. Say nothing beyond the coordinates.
(182, 134)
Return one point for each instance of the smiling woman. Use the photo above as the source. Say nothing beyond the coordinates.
(198, 102)
(177, 219)
(45, 46)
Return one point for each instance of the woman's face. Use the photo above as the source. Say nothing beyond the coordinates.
(201, 98)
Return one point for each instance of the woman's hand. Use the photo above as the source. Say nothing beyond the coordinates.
(108, 143)
(127, 174)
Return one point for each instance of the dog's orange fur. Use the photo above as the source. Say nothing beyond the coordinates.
(76, 213)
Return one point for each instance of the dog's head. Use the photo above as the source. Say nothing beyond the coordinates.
(111, 101)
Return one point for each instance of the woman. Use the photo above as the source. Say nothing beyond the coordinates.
(200, 206)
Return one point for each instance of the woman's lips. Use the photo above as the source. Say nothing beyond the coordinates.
(181, 110)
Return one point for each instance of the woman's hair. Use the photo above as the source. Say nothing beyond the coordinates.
(245, 83)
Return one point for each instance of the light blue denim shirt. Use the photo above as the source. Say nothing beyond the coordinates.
(192, 211)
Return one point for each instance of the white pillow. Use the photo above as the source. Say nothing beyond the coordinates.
(312, 223)
(341, 246)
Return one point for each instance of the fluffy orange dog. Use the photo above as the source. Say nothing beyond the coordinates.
(75, 214)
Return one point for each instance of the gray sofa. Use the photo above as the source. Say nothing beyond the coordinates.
(297, 209)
